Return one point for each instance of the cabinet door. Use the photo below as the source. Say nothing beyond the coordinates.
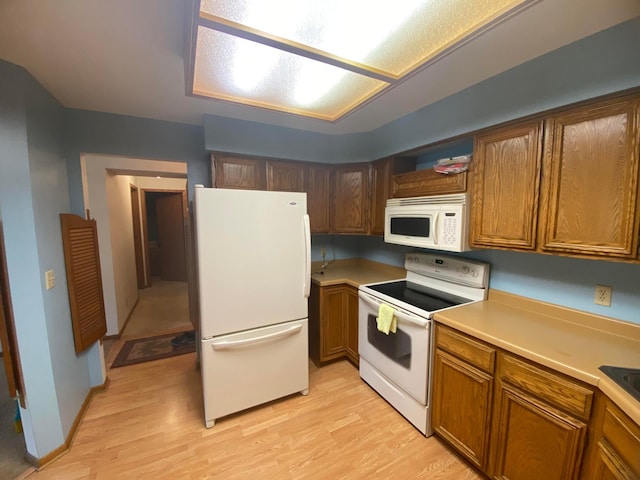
(380, 191)
(382, 172)
(332, 334)
(318, 197)
(285, 176)
(591, 181)
(462, 398)
(532, 440)
(350, 198)
(237, 172)
(506, 180)
(351, 323)
(609, 466)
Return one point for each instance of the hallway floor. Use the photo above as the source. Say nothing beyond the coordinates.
(162, 308)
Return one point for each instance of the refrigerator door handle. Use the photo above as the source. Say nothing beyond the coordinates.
(225, 345)
(306, 285)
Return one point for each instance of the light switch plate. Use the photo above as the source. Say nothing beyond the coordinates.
(49, 279)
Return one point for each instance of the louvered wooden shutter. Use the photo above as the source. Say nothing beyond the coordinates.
(84, 280)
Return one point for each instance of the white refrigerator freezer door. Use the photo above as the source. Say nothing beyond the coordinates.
(252, 256)
(246, 369)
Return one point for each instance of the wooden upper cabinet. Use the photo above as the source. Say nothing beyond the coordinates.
(380, 191)
(350, 198)
(286, 176)
(506, 180)
(318, 181)
(382, 172)
(591, 180)
(237, 172)
(427, 182)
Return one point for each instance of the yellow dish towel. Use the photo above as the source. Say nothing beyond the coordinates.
(386, 320)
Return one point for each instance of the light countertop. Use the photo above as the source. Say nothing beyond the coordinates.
(569, 341)
(355, 272)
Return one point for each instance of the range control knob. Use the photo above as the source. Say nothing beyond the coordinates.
(465, 269)
(474, 273)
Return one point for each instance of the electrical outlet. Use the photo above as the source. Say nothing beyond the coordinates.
(603, 295)
(323, 252)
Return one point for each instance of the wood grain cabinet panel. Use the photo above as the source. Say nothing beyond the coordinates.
(539, 422)
(286, 176)
(382, 172)
(333, 323)
(238, 172)
(427, 182)
(318, 197)
(609, 465)
(533, 440)
(617, 455)
(350, 210)
(351, 325)
(461, 414)
(591, 180)
(506, 180)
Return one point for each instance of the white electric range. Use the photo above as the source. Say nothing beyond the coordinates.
(398, 365)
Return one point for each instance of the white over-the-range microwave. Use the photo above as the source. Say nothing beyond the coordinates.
(438, 222)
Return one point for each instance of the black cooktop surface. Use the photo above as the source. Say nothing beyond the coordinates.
(426, 299)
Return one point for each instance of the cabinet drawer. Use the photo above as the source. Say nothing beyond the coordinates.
(623, 435)
(476, 353)
(554, 389)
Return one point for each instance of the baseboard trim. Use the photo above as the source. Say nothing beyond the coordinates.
(119, 334)
(41, 462)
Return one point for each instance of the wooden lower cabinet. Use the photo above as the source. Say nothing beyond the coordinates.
(461, 415)
(533, 440)
(333, 323)
(617, 453)
(539, 422)
(510, 417)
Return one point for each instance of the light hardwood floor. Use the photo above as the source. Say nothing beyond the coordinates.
(149, 424)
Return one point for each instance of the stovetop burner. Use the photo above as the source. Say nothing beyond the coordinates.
(428, 301)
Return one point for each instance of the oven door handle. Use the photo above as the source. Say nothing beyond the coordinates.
(401, 316)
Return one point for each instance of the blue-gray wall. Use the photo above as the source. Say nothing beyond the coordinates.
(33, 191)
(105, 133)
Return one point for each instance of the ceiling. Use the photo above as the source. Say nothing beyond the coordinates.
(127, 57)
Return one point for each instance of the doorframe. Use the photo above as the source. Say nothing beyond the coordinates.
(145, 227)
(8, 338)
(137, 237)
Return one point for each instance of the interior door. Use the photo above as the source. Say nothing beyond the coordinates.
(170, 211)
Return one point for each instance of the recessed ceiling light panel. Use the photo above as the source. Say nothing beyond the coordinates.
(323, 59)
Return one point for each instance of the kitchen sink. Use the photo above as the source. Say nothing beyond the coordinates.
(627, 378)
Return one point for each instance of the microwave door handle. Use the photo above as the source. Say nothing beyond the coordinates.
(434, 233)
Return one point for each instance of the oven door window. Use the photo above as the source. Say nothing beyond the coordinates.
(411, 226)
(396, 347)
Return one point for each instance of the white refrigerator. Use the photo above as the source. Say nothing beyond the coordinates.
(253, 252)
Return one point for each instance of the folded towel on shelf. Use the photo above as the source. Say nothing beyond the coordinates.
(386, 321)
